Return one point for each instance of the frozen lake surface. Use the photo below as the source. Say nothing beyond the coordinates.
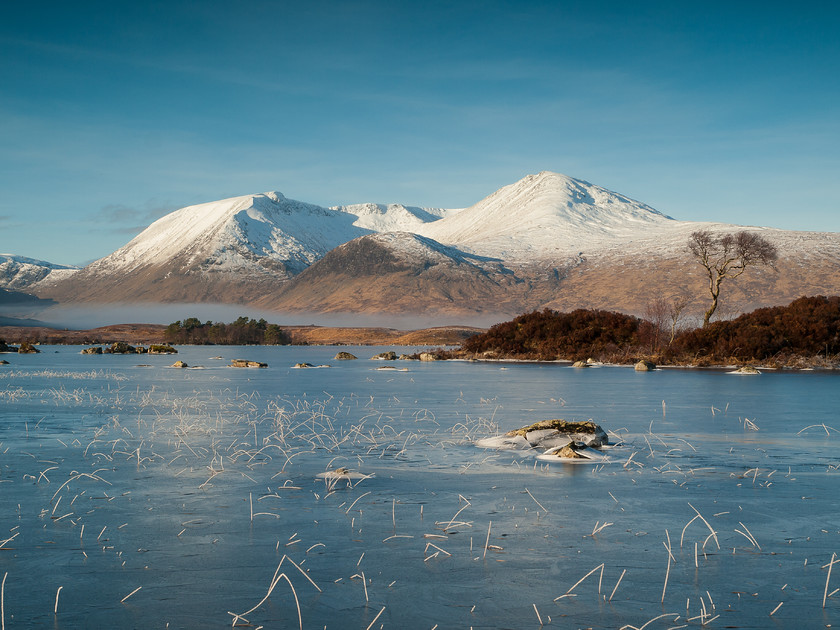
(148, 496)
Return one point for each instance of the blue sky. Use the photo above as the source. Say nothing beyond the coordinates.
(112, 114)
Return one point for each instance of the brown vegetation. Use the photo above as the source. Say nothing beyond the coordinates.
(549, 335)
(147, 334)
(804, 333)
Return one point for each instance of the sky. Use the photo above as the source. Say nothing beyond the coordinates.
(113, 114)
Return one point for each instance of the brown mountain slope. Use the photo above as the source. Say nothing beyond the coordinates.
(172, 282)
(371, 275)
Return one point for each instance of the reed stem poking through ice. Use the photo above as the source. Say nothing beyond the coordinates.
(668, 570)
(375, 618)
(616, 584)
(827, 578)
(3, 602)
(574, 586)
(538, 615)
(130, 594)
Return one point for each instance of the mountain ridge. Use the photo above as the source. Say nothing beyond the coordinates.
(545, 240)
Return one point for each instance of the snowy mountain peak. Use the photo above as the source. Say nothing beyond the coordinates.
(542, 215)
(264, 234)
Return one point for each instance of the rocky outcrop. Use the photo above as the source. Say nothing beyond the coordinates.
(428, 356)
(245, 363)
(179, 364)
(345, 356)
(93, 350)
(120, 347)
(549, 434)
(580, 364)
(385, 356)
(645, 366)
(746, 369)
(27, 348)
(162, 348)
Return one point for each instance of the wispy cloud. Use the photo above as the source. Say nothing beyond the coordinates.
(117, 218)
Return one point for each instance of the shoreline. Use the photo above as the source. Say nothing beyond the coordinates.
(438, 337)
(147, 334)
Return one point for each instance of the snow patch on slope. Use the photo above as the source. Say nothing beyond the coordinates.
(393, 217)
(414, 248)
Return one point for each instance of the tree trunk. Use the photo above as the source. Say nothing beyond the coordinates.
(715, 291)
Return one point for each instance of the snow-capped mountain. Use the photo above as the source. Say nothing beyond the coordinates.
(251, 234)
(20, 273)
(546, 216)
(231, 250)
(546, 240)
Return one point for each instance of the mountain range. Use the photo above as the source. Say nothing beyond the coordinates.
(548, 240)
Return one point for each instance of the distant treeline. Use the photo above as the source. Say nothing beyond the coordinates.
(808, 327)
(243, 331)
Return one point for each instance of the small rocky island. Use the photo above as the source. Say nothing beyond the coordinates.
(554, 440)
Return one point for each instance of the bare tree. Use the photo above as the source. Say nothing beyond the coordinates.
(728, 256)
(656, 318)
(676, 307)
(664, 317)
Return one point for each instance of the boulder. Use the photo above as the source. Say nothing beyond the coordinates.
(4, 362)
(93, 350)
(179, 364)
(645, 366)
(245, 363)
(162, 348)
(345, 356)
(580, 364)
(746, 369)
(571, 451)
(405, 357)
(551, 433)
(385, 356)
(301, 366)
(120, 347)
(27, 348)
(427, 356)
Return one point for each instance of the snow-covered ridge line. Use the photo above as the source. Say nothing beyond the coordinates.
(545, 219)
(20, 272)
